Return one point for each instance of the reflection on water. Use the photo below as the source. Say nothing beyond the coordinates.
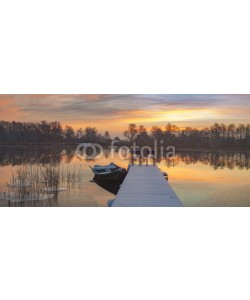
(19, 155)
(199, 178)
(217, 160)
(112, 187)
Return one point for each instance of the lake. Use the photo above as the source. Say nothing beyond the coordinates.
(200, 178)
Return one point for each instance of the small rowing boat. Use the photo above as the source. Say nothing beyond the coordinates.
(110, 172)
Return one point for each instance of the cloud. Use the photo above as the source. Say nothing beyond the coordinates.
(117, 110)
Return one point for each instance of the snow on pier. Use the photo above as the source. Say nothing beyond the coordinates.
(146, 186)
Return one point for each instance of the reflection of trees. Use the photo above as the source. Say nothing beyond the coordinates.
(35, 155)
(46, 155)
(69, 155)
(106, 153)
(42, 203)
(217, 160)
(89, 154)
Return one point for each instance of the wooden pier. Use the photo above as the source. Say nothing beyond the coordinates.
(145, 186)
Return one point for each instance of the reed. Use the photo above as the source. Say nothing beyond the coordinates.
(41, 182)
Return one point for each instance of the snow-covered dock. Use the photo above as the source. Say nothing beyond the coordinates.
(145, 186)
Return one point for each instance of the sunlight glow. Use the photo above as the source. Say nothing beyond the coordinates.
(115, 112)
(187, 115)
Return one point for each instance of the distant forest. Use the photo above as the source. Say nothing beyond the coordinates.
(217, 136)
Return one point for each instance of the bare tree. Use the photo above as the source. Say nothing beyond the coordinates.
(131, 133)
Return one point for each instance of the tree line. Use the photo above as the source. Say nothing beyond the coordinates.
(48, 132)
(215, 136)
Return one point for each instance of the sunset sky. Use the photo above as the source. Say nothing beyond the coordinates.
(115, 112)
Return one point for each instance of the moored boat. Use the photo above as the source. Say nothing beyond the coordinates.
(110, 172)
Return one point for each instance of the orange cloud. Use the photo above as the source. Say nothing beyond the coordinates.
(8, 111)
(114, 112)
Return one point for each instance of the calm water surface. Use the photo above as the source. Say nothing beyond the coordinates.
(198, 178)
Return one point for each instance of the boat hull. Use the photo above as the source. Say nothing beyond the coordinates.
(117, 175)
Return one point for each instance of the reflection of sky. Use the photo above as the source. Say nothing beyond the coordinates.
(196, 184)
(200, 185)
(114, 112)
